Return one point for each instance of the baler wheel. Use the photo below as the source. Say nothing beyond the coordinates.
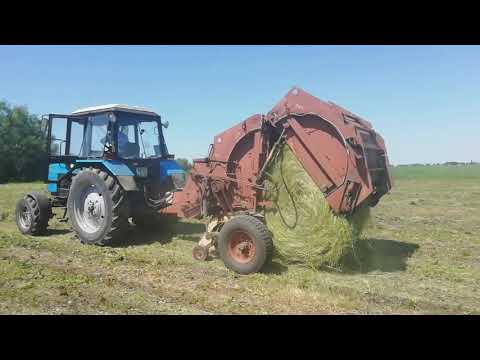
(245, 244)
(200, 253)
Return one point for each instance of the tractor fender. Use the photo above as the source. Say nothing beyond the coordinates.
(128, 183)
(116, 168)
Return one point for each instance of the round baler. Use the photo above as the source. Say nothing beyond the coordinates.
(340, 152)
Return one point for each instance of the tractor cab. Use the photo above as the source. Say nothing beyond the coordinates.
(117, 131)
(127, 141)
(106, 164)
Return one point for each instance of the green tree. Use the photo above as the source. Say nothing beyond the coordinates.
(185, 164)
(23, 154)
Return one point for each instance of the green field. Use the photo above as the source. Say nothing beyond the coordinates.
(443, 172)
(424, 257)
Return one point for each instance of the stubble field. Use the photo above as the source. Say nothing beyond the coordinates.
(423, 257)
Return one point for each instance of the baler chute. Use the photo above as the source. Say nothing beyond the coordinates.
(340, 151)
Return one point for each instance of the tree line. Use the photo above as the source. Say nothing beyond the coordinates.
(23, 155)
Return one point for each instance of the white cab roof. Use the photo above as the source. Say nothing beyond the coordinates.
(114, 107)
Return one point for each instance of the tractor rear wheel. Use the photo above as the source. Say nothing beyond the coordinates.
(97, 207)
(32, 214)
(245, 245)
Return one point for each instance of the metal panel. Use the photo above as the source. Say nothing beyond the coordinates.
(128, 183)
(168, 167)
(116, 167)
(324, 137)
(52, 188)
(54, 170)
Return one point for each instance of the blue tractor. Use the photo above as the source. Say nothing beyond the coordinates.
(106, 165)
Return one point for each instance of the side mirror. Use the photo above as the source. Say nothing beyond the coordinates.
(44, 124)
(165, 124)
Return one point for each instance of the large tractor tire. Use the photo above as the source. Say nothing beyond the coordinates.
(245, 244)
(97, 207)
(32, 214)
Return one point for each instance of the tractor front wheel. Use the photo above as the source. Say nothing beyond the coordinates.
(245, 245)
(32, 214)
(97, 207)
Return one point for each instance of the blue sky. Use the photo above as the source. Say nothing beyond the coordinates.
(424, 100)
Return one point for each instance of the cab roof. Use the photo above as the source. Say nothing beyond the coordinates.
(114, 107)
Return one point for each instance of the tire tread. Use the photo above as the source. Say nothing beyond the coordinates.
(119, 223)
(262, 235)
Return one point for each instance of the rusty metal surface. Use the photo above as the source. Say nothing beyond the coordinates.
(342, 153)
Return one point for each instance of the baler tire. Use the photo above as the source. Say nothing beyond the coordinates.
(115, 202)
(250, 232)
(37, 207)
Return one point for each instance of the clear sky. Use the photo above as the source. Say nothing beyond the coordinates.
(424, 100)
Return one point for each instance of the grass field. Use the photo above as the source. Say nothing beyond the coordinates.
(424, 257)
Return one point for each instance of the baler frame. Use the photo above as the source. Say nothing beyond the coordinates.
(340, 151)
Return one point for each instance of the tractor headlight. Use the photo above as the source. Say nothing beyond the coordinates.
(142, 171)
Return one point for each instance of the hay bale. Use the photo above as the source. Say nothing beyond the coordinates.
(304, 228)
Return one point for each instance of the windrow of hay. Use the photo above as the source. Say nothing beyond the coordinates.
(304, 228)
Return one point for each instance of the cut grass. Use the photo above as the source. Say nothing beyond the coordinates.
(425, 258)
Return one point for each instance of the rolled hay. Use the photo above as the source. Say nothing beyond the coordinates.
(304, 228)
